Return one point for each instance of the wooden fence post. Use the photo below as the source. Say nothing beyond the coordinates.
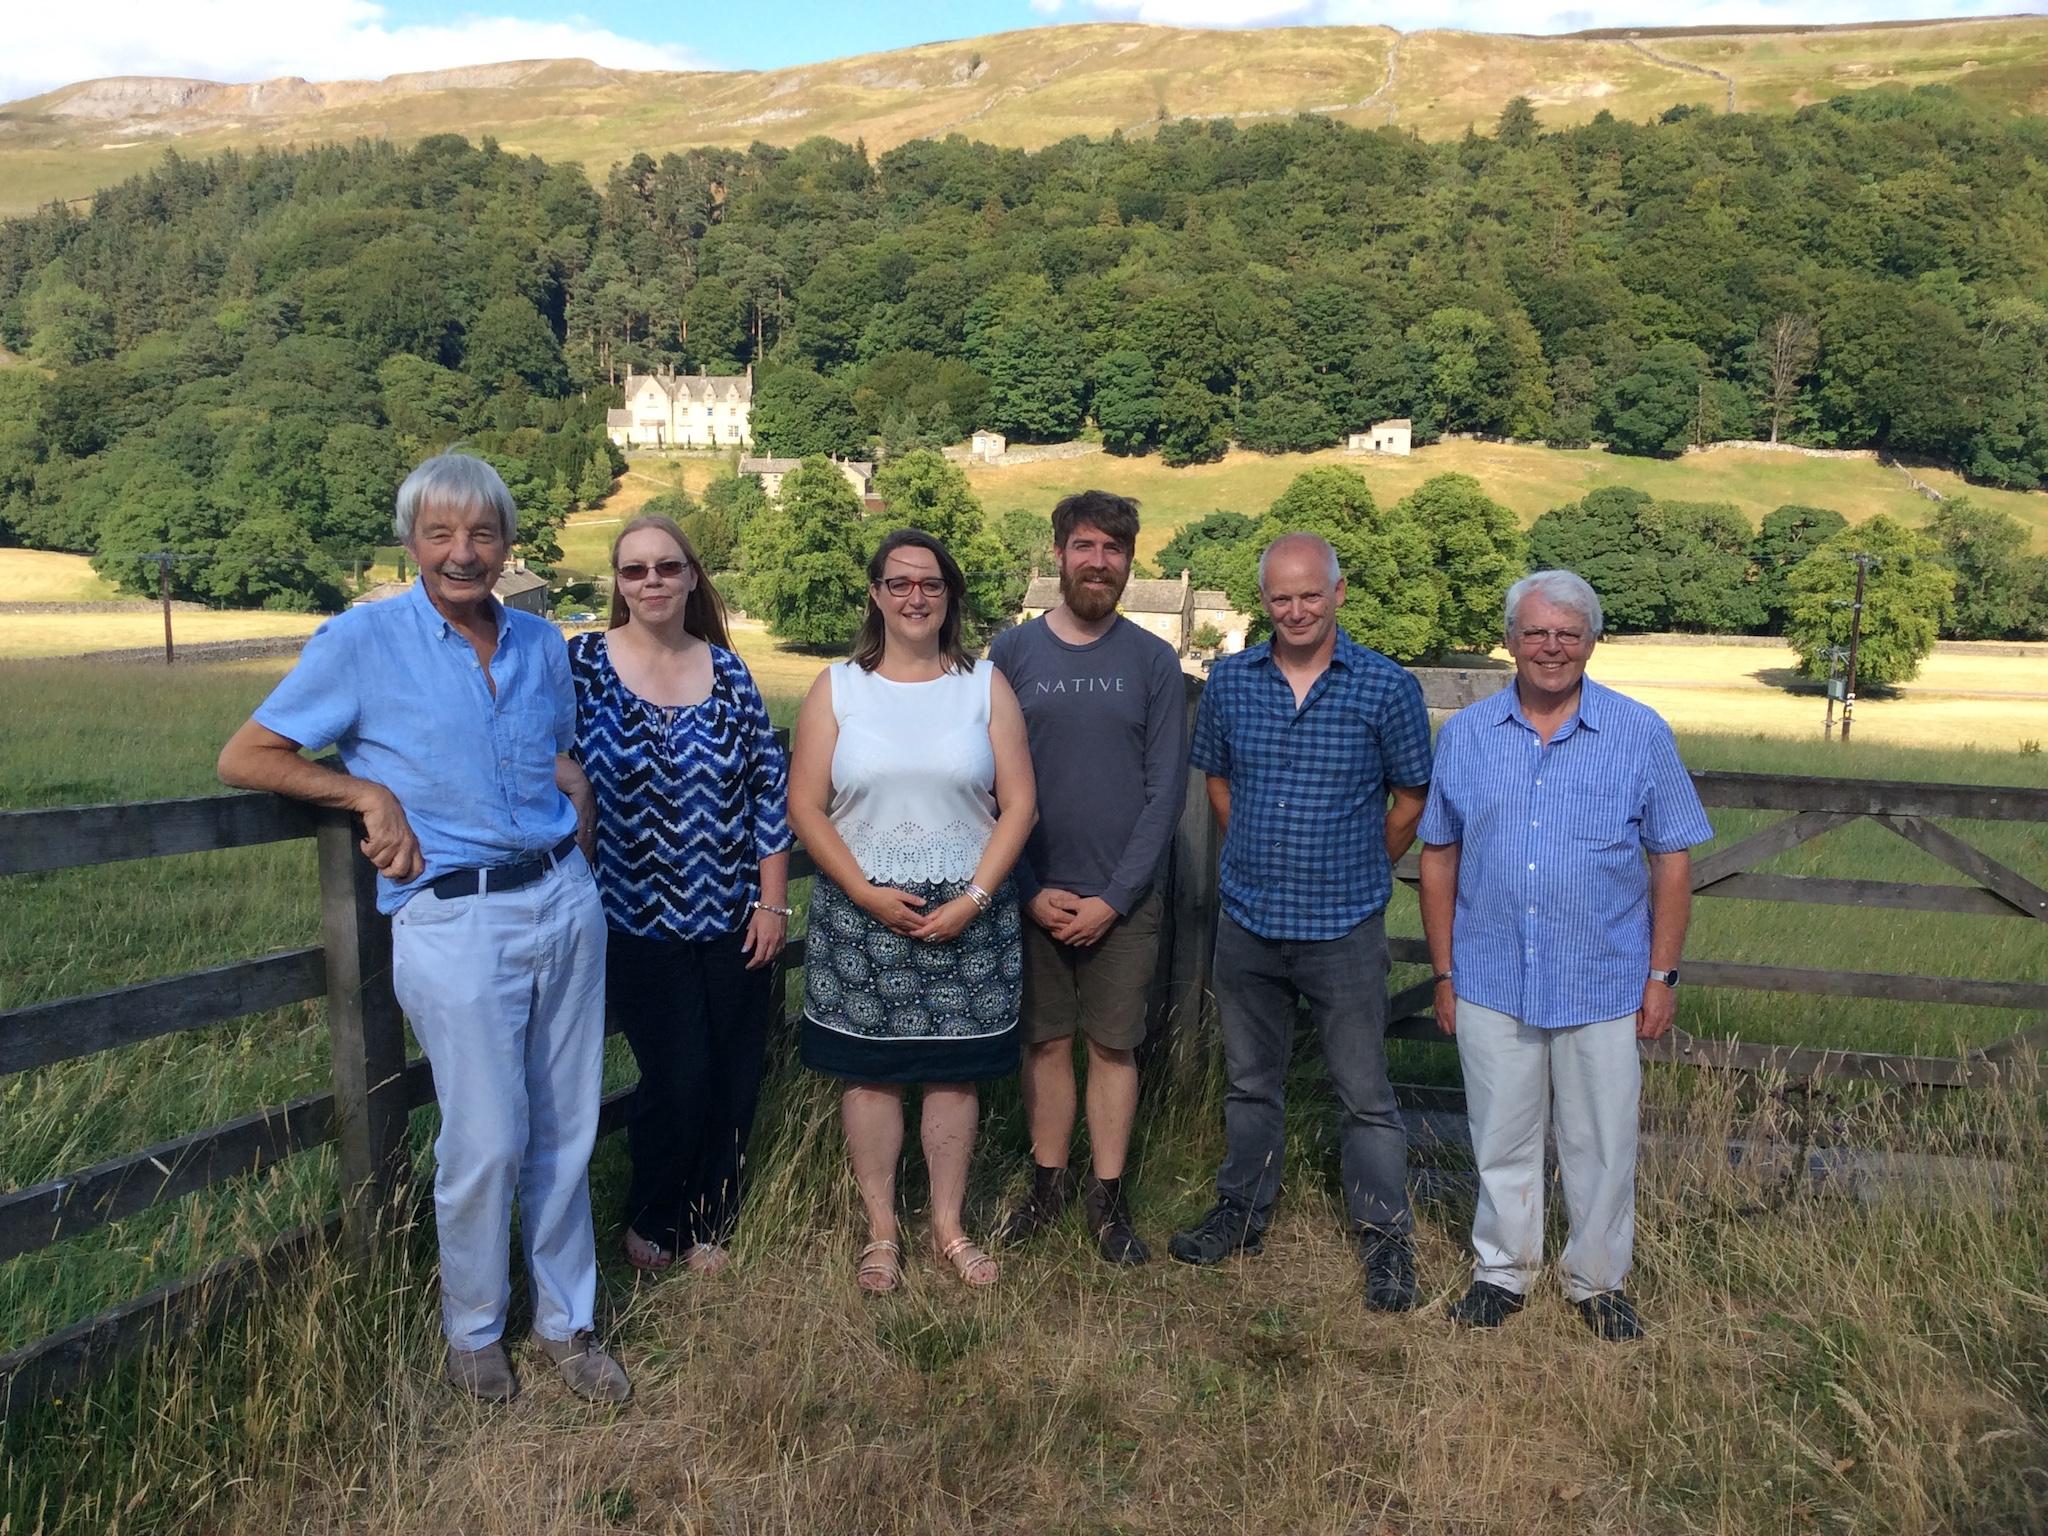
(366, 1035)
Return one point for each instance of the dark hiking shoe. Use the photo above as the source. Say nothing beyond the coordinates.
(483, 1373)
(1051, 1191)
(1611, 1316)
(1226, 1229)
(1485, 1305)
(1109, 1218)
(1389, 1270)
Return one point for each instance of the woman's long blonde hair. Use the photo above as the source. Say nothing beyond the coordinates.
(703, 610)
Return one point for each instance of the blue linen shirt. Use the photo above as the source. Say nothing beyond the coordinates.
(1305, 854)
(399, 692)
(1553, 917)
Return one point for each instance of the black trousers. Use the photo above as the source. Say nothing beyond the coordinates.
(697, 1020)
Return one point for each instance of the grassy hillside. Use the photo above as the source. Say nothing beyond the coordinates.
(1529, 480)
(1027, 89)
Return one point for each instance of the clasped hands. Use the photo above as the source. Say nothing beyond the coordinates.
(901, 912)
(1076, 920)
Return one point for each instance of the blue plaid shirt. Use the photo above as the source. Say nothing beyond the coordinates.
(1305, 855)
(1553, 918)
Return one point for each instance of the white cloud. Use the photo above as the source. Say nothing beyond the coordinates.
(1522, 16)
(1048, 7)
(238, 40)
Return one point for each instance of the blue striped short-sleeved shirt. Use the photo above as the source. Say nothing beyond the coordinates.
(1305, 854)
(1553, 917)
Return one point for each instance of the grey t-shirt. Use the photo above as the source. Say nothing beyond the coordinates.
(1108, 728)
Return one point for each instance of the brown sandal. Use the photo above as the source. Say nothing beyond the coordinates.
(882, 1272)
(975, 1268)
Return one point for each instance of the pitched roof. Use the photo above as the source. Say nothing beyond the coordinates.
(695, 386)
(517, 581)
(618, 418)
(1398, 421)
(1209, 597)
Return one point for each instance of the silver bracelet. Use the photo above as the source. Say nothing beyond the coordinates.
(764, 906)
(981, 899)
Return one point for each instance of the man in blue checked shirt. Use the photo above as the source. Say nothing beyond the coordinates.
(452, 716)
(1556, 886)
(1303, 739)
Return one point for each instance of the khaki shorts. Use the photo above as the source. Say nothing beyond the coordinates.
(1104, 990)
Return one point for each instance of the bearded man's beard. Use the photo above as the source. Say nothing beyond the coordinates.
(1089, 603)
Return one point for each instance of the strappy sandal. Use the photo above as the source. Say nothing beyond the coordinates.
(881, 1267)
(645, 1253)
(975, 1268)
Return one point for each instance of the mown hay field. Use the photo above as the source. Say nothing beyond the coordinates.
(1817, 1364)
(1527, 479)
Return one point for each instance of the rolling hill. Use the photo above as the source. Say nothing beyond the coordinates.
(1024, 89)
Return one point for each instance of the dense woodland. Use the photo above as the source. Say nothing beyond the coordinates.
(244, 353)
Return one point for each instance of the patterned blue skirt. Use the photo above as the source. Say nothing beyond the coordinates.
(879, 1007)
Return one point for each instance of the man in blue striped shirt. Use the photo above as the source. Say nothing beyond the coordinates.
(1303, 738)
(1556, 886)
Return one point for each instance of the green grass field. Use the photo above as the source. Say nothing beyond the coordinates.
(1072, 1398)
(1034, 87)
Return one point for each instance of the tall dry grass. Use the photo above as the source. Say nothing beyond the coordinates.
(1820, 1360)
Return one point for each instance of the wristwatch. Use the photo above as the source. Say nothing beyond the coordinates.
(1669, 978)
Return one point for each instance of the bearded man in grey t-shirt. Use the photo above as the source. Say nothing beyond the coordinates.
(1105, 706)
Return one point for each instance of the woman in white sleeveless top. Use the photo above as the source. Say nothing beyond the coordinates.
(910, 785)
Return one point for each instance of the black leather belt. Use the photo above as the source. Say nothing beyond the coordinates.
(501, 877)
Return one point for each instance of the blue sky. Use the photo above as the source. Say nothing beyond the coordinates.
(355, 39)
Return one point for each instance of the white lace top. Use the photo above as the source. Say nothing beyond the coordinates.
(913, 774)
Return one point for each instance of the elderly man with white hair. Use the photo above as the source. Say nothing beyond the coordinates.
(1556, 887)
(452, 716)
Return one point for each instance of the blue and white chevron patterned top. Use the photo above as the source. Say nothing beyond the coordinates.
(690, 799)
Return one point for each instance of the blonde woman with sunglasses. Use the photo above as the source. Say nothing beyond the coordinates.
(693, 866)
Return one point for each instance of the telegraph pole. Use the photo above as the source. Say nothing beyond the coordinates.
(1855, 640)
(163, 587)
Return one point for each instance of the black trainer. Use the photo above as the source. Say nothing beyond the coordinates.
(1485, 1305)
(1051, 1190)
(1109, 1218)
(1611, 1316)
(1227, 1228)
(1389, 1270)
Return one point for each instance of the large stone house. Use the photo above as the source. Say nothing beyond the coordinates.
(1176, 611)
(681, 410)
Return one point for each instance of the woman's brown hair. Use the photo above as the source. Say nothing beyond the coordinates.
(703, 610)
(868, 644)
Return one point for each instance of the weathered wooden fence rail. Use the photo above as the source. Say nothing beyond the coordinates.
(375, 1087)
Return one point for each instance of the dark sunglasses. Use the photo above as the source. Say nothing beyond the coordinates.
(636, 570)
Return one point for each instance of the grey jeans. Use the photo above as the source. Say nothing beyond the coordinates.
(1344, 981)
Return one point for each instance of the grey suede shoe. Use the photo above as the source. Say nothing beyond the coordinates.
(483, 1373)
(589, 1371)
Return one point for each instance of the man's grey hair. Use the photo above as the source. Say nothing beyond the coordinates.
(1567, 589)
(1329, 555)
(461, 479)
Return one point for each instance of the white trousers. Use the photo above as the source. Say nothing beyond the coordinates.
(1585, 1082)
(505, 990)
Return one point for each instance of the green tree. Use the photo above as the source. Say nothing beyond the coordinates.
(1035, 377)
(1997, 580)
(738, 499)
(1653, 410)
(798, 413)
(1788, 536)
(512, 339)
(595, 483)
(1207, 549)
(1285, 413)
(804, 558)
(1476, 553)
(427, 405)
(1703, 554)
(1516, 126)
(923, 490)
(1462, 368)
(1606, 537)
(1908, 596)
(1026, 538)
(1126, 401)
(1190, 425)
(362, 470)
(66, 323)
(1390, 600)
